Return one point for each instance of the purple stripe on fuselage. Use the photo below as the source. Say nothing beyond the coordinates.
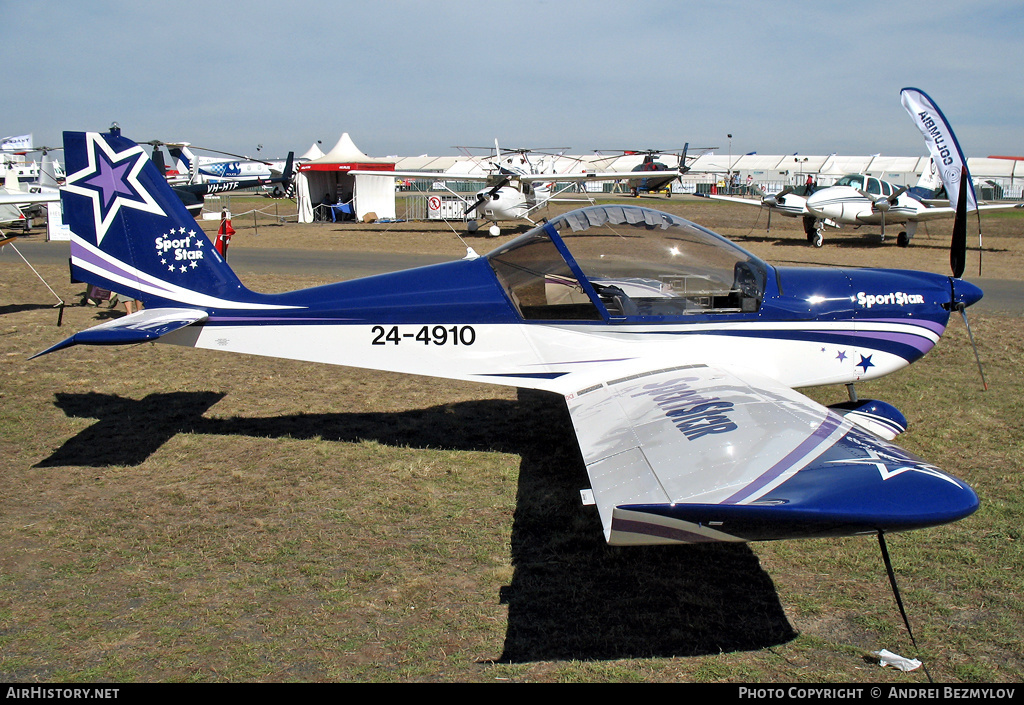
(909, 339)
(824, 430)
(249, 320)
(110, 267)
(933, 326)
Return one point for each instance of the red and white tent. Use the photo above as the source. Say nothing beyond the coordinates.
(327, 180)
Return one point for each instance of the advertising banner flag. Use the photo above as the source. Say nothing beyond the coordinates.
(942, 145)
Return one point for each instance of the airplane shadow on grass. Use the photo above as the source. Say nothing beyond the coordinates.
(571, 595)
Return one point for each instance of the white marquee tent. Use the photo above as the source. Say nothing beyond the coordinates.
(327, 180)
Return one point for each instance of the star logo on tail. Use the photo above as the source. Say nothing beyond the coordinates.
(111, 180)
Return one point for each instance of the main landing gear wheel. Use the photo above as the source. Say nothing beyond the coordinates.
(903, 240)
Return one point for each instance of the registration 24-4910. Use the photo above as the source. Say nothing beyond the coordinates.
(427, 335)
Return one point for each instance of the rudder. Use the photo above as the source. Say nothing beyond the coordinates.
(132, 234)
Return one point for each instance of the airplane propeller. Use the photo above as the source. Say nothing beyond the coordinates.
(774, 199)
(770, 200)
(487, 196)
(962, 308)
(883, 203)
(958, 262)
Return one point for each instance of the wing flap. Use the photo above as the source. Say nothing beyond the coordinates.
(139, 327)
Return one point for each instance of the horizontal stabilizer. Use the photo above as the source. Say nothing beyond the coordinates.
(139, 327)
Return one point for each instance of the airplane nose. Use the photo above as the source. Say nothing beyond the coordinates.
(966, 293)
(815, 204)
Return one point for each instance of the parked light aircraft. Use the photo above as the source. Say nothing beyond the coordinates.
(18, 200)
(857, 199)
(860, 199)
(677, 352)
(515, 186)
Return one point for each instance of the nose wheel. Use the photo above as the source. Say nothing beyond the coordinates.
(814, 230)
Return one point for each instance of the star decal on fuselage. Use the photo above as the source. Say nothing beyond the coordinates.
(111, 180)
(865, 362)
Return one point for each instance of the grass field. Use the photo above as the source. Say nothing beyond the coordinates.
(172, 514)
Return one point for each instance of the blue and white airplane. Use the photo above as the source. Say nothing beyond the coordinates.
(677, 352)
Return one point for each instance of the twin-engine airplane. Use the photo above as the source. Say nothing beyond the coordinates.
(861, 199)
(676, 351)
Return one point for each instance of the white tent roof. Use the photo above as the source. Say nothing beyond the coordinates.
(995, 168)
(346, 152)
(314, 152)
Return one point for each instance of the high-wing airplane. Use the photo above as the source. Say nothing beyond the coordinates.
(515, 186)
(861, 199)
(676, 351)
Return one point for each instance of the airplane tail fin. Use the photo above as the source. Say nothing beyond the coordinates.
(185, 161)
(48, 172)
(132, 234)
(929, 185)
(288, 166)
(287, 185)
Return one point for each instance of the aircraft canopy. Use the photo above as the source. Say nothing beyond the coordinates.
(627, 263)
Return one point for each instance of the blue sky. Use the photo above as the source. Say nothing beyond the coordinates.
(411, 77)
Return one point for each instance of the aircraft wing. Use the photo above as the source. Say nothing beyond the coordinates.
(734, 199)
(695, 454)
(9, 213)
(24, 198)
(433, 175)
(792, 205)
(937, 212)
(139, 327)
(601, 176)
(591, 176)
